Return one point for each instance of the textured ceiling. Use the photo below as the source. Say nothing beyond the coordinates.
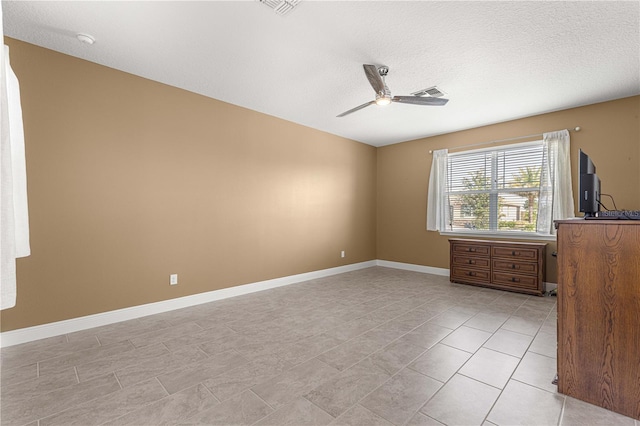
(496, 61)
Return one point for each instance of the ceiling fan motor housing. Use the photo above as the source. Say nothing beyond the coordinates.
(383, 70)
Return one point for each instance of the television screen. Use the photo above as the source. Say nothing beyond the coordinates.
(586, 165)
(589, 186)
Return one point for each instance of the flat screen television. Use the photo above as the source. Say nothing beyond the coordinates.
(589, 186)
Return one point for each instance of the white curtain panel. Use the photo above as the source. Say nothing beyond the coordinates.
(14, 216)
(437, 207)
(556, 193)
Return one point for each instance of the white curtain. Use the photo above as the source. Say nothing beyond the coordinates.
(437, 207)
(556, 194)
(14, 217)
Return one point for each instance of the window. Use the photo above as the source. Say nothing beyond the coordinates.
(495, 190)
(511, 190)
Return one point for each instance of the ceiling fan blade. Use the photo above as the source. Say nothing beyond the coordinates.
(358, 108)
(420, 100)
(374, 78)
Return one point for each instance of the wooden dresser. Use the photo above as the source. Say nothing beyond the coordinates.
(499, 264)
(599, 313)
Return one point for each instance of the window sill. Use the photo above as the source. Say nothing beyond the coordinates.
(505, 235)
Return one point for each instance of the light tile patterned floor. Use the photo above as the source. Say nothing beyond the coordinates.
(372, 347)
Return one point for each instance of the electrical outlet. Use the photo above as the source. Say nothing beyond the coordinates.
(173, 279)
(342, 253)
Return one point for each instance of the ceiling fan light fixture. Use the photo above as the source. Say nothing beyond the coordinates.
(383, 100)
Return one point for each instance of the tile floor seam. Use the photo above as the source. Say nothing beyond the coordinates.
(162, 386)
(564, 403)
(533, 386)
(165, 346)
(334, 417)
(139, 408)
(75, 369)
(118, 380)
(519, 381)
(391, 342)
(261, 399)
(390, 378)
(199, 350)
(39, 419)
(470, 378)
(450, 346)
(486, 416)
(214, 395)
(507, 382)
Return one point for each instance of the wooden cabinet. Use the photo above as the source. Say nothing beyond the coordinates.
(498, 264)
(599, 313)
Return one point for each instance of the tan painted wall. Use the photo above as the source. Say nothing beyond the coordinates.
(130, 180)
(610, 135)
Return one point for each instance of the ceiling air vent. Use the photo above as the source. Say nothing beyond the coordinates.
(281, 7)
(433, 91)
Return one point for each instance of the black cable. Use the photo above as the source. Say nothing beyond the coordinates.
(612, 200)
(603, 206)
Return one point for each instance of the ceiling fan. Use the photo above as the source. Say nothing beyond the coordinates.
(383, 94)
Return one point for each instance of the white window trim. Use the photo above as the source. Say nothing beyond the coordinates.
(507, 235)
(557, 146)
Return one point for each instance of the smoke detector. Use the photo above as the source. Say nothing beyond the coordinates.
(281, 7)
(85, 38)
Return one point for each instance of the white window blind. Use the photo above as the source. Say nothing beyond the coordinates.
(495, 190)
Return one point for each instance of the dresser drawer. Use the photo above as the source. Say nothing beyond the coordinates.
(470, 248)
(515, 280)
(459, 273)
(515, 253)
(505, 265)
(511, 266)
(476, 262)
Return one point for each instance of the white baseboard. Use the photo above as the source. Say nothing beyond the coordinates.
(23, 335)
(413, 267)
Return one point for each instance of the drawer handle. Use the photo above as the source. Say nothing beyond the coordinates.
(472, 250)
(472, 262)
(515, 280)
(514, 266)
(472, 274)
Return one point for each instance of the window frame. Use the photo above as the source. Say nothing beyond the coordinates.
(494, 193)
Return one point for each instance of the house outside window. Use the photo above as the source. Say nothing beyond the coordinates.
(466, 210)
